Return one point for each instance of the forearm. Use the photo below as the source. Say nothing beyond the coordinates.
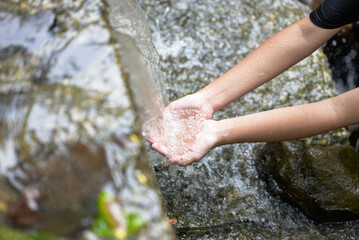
(278, 124)
(291, 123)
(274, 56)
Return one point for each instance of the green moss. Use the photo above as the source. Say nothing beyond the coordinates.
(12, 234)
(43, 236)
(7, 234)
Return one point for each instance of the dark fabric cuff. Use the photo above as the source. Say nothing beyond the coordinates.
(335, 13)
(319, 21)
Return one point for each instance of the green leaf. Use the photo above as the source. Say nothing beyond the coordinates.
(103, 198)
(101, 228)
(104, 225)
(134, 222)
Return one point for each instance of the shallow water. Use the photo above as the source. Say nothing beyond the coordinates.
(176, 130)
(61, 105)
(197, 42)
(68, 124)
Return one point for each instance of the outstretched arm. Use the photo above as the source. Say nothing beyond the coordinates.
(270, 59)
(274, 125)
(274, 56)
(292, 122)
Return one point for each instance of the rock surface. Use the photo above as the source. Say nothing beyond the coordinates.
(322, 181)
(198, 41)
(68, 127)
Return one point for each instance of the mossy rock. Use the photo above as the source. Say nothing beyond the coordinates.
(7, 233)
(322, 181)
(68, 125)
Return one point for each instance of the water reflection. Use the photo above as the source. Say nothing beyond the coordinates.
(68, 126)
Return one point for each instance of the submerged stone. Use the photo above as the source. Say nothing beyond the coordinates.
(63, 191)
(322, 181)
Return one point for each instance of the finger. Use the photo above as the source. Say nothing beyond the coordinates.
(173, 106)
(153, 138)
(148, 136)
(183, 160)
(181, 164)
(150, 139)
(170, 161)
(160, 148)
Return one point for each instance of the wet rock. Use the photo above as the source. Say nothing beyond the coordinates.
(62, 192)
(7, 194)
(322, 181)
(68, 125)
(198, 41)
(342, 52)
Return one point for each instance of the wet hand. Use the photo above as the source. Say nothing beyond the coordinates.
(196, 102)
(184, 133)
(187, 140)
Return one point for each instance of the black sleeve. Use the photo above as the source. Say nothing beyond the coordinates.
(335, 13)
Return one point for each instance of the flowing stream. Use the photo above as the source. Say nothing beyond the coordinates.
(197, 42)
(77, 78)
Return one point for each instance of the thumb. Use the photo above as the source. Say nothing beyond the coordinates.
(160, 148)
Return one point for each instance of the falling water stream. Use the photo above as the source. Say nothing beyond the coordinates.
(77, 78)
(197, 42)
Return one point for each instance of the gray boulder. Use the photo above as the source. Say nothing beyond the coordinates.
(322, 181)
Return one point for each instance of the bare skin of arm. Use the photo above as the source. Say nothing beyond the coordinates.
(292, 122)
(274, 56)
(270, 59)
(274, 125)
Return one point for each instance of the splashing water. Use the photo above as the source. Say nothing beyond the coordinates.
(177, 130)
(197, 42)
